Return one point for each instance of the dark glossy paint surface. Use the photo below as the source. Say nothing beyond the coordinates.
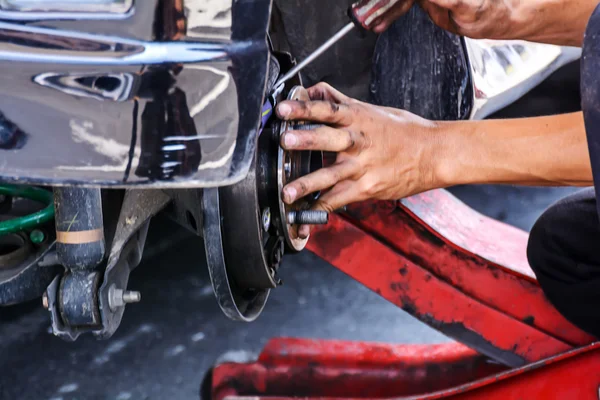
(166, 95)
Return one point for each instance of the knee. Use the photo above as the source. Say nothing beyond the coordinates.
(563, 240)
(543, 244)
(562, 251)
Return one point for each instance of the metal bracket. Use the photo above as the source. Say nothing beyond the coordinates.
(126, 251)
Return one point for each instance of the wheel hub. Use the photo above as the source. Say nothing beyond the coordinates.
(246, 227)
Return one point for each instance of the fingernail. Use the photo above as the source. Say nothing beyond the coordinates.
(284, 110)
(290, 140)
(290, 193)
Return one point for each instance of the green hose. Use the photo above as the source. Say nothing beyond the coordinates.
(32, 220)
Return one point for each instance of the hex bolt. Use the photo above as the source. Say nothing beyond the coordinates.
(308, 217)
(266, 218)
(306, 127)
(119, 297)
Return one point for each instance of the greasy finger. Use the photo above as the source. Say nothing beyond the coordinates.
(340, 195)
(321, 179)
(324, 138)
(324, 91)
(316, 111)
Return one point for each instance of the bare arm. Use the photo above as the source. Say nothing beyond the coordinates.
(560, 22)
(541, 151)
(387, 154)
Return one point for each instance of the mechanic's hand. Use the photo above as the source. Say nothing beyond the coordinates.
(472, 18)
(382, 153)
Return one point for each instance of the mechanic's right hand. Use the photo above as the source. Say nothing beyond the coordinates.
(382, 153)
(472, 18)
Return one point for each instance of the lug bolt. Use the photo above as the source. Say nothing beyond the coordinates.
(118, 297)
(308, 217)
(306, 127)
(266, 218)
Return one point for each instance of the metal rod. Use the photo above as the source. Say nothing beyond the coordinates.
(308, 217)
(315, 54)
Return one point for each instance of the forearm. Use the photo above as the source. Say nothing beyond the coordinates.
(541, 151)
(560, 22)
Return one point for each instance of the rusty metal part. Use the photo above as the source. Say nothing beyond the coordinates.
(445, 264)
(493, 309)
(311, 369)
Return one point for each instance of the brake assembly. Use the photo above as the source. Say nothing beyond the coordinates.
(247, 226)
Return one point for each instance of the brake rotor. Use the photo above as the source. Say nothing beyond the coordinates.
(246, 231)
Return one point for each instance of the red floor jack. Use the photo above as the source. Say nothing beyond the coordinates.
(461, 273)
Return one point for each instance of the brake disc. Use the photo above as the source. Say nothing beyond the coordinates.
(246, 229)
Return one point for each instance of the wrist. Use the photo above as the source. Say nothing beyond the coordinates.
(446, 144)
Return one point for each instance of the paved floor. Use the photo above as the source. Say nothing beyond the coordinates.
(167, 342)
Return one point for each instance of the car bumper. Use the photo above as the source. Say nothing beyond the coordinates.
(167, 95)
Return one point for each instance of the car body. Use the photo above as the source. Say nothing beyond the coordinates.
(157, 94)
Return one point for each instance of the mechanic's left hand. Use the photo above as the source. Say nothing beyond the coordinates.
(382, 153)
